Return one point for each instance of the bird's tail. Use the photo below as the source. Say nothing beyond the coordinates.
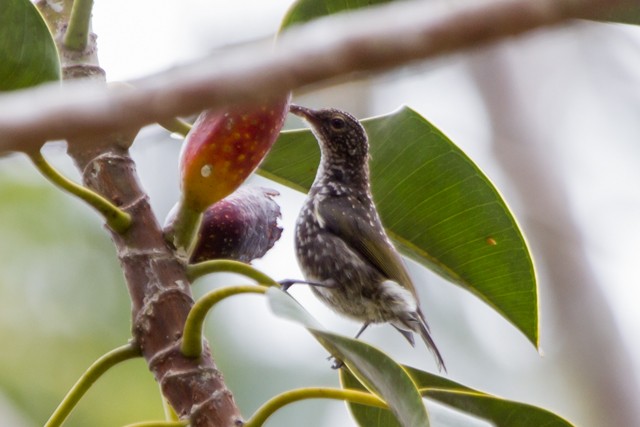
(425, 333)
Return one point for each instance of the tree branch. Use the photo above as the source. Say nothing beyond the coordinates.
(368, 40)
(156, 278)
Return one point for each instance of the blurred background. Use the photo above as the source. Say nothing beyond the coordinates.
(552, 118)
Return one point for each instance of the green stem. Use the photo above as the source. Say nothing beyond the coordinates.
(169, 412)
(182, 231)
(192, 337)
(355, 396)
(95, 371)
(77, 35)
(117, 219)
(176, 125)
(195, 271)
(160, 424)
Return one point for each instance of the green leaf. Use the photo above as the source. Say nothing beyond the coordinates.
(627, 15)
(500, 412)
(307, 10)
(28, 52)
(439, 208)
(382, 375)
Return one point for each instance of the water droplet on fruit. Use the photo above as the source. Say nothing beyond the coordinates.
(206, 170)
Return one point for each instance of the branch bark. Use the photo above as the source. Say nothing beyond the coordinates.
(368, 41)
(584, 321)
(159, 289)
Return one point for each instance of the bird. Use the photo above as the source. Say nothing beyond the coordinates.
(341, 245)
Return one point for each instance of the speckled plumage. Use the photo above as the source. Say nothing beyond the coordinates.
(340, 241)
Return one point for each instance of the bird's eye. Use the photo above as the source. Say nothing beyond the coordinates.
(338, 123)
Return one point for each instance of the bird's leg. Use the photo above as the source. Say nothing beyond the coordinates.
(287, 283)
(337, 364)
(365, 326)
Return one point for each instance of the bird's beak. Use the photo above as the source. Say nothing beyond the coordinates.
(306, 113)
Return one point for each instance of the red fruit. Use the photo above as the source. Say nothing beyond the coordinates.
(224, 147)
(243, 227)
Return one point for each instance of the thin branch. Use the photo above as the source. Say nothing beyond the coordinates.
(77, 34)
(183, 228)
(192, 337)
(91, 375)
(371, 40)
(195, 271)
(355, 396)
(116, 218)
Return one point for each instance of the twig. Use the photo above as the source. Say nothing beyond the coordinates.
(354, 396)
(368, 40)
(192, 337)
(195, 271)
(77, 34)
(95, 371)
(116, 218)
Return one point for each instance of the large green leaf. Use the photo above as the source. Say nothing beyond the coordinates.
(306, 10)
(28, 52)
(439, 208)
(381, 374)
(500, 412)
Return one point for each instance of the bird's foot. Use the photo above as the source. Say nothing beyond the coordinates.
(286, 284)
(337, 363)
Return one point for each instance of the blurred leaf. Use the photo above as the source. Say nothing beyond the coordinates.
(500, 412)
(28, 52)
(306, 10)
(625, 15)
(439, 208)
(382, 375)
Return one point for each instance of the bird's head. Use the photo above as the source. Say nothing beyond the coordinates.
(342, 138)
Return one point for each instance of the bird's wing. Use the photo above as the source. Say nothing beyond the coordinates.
(336, 216)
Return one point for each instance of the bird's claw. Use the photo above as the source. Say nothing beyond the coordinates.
(286, 284)
(337, 363)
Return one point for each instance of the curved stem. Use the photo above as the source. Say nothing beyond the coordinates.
(181, 230)
(271, 406)
(192, 337)
(160, 424)
(116, 218)
(95, 371)
(194, 271)
(176, 125)
(77, 34)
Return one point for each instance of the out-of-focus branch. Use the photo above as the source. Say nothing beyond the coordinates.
(371, 40)
(585, 324)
